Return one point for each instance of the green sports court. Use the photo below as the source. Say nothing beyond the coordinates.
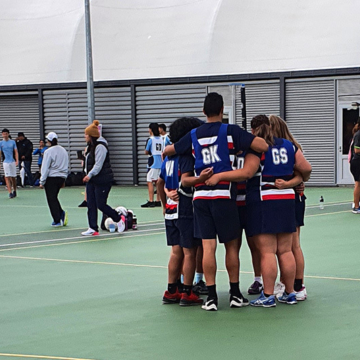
(64, 296)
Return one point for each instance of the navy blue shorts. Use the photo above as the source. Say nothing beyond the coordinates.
(300, 211)
(181, 232)
(216, 217)
(270, 217)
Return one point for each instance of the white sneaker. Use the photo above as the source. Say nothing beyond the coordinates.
(90, 232)
(279, 288)
(302, 294)
(121, 224)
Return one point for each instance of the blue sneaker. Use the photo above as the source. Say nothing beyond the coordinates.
(264, 301)
(54, 224)
(356, 210)
(287, 298)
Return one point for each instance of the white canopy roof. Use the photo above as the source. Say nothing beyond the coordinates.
(43, 41)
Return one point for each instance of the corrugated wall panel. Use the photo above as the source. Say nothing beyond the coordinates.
(164, 104)
(310, 115)
(65, 112)
(21, 113)
(261, 98)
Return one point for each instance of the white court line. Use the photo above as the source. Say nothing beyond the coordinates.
(151, 266)
(329, 213)
(74, 238)
(40, 357)
(329, 204)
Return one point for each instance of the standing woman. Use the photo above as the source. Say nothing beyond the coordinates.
(54, 172)
(355, 165)
(40, 151)
(98, 179)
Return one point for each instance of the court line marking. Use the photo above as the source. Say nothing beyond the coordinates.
(40, 357)
(149, 266)
(349, 202)
(71, 238)
(329, 213)
(77, 242)
(70, 229)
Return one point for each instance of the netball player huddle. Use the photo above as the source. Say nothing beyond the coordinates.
(218, 180)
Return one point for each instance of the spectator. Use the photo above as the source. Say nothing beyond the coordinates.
(40, 151)
(164, 135)
(10, 158)
(54, 172)
(25, 149)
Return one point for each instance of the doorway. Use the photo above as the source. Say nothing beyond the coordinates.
(347, 118)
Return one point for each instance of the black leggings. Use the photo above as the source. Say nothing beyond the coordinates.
(52, 188)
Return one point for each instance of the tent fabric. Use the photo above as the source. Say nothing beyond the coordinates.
(43, 41)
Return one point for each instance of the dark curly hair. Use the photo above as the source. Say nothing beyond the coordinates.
(182, 126)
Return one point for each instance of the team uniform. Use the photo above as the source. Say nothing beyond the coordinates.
(355, 158)
(215, 145)
(271, 210)
(154, 146)
(166, 140)
(241, 192)
(7, 148)
(179, 215)
(299, 209)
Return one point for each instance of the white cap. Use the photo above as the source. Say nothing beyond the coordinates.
(51, 136)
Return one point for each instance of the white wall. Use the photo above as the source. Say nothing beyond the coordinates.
(43, 41)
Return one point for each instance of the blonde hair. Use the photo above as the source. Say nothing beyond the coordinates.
(281, 130)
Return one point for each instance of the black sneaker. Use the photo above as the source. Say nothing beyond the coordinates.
(14, 194)
(200, 288)
(255, 288)
(11, 196)
(83, 204)
(157, 203)
(210, 305)
(238, 301)
(148, 204)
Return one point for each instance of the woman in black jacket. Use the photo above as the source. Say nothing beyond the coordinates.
(98, 179)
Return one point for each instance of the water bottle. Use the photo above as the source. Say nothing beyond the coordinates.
(134, 223)
(321, 203)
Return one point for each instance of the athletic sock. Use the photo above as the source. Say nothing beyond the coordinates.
(234, 289)
(187, 289)
(172, 288)
(198, 277)
(298, 284)
(267, 295)
(258, 279)
(212, 292)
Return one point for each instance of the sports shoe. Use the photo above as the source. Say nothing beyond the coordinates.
(287, 298)
(90, 232)
(11, 196)
(64, 218)
(54, 224)
(210, 305)
(121, 224)
(188, 300)
(200, 288)
(157, 203)
(83, 204)
(279, 288)
(301, 295)
(356, 210)
(238, 302)
(169, 298)
(148, 204)
(14, 194)
(255, 288)
(264, 301)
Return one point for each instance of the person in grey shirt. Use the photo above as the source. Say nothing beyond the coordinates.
(54, 171)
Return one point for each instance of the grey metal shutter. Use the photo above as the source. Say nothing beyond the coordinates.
(164, 104)
(21, 113)
(310, 115)
(349, 89)
(65, 112)
(261, 98)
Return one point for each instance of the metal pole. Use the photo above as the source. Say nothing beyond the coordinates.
(89, 66)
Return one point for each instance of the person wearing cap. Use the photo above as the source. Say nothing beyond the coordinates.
(10, 157)
(54, 171)
(25, 149)
(98, 179)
